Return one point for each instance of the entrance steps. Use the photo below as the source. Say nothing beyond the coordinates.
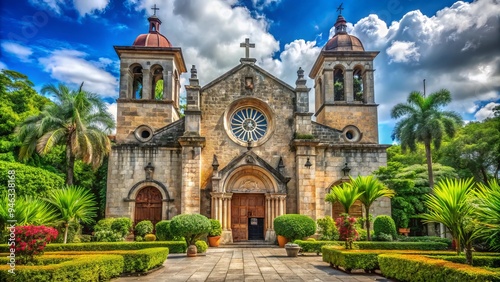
(250, 244)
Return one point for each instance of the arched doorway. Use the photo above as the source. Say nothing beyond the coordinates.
(148, 203)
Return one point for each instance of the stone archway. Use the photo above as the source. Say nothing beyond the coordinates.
(148, 205)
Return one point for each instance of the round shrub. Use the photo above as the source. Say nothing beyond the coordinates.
(122, 226)
(163, 230)
(138, 238)
(201, 246)
(294, 226)
(150, 237)
(327, 229)
(384, 224)
(383, 237)
(216, 228)
(190, 226)
(104, 224)
(144, 227)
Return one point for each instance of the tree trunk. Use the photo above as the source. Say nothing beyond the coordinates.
(368, 235)
(428, 156)
(468, 253)
(485, 176)
(70, 163)
(66, 225)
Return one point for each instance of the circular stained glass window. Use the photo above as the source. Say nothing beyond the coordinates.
(249, 124)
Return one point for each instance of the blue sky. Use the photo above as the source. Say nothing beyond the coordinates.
(453, 45)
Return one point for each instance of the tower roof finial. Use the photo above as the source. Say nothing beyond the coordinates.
(340, 8)
(154, 10)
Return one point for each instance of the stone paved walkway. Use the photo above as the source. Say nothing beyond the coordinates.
(249, 264)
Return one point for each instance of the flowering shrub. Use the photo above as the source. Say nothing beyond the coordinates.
(347, 229)
(31, 241)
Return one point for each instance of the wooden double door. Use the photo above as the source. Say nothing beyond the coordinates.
(248, 216)
(148, 205)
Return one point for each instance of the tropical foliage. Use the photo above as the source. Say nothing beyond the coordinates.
(488, 212)
(423, 120)
(77, 120)
(73, 204)
(347, 229)
(346, 194)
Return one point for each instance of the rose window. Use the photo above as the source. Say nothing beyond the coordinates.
(249, 124)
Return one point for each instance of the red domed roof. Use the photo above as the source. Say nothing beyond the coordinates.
(344, 42)
(154, 38)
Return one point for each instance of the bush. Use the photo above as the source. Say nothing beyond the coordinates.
(190, 226)
(294, 226)
(163, 231)
(150, 237)
(122, 225)
(75, 268)
(400, 245)
(74, 230)
(108, 236)
(174, 246)
(104, 224)
(482, 261)
(347, 229)
(350, 260)
(144, 227)
(201, 246)
(384, 224)
(138, 238)
(327, 229)
(426, 239)
(30, 241)
(216, 229)
(383, 237)
(313, 246)
(421, 268)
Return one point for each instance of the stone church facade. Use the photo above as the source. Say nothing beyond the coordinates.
(247, 149)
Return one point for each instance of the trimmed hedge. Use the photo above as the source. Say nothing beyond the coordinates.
(81, 268)
(400, 245)
(425, 239)
(175, 247)
(314, 246)
(483, 261)
(135, 261)
(352, 259)
(405, 267)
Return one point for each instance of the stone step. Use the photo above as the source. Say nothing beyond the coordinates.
(250, 244)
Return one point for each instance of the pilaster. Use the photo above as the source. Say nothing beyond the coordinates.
(191, 173)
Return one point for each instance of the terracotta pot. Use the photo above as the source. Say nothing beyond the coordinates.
(404, 231)
(192, 251)
(282, 241)
(214, 241)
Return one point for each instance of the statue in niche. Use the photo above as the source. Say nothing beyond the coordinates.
(249, 83)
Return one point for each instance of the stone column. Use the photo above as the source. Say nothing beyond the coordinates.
(306, 185)
(328, 86)
(368, 86)
(126, 78)
(146, 85)
(167, 85)
(348, 85)
(191, 173)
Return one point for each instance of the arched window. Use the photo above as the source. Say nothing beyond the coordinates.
(338, 85)
(158, 82)
(177, 87)
(137, 82)
(357, 86)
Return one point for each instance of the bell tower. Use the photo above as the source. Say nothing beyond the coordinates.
(344, 87)
(150, 72)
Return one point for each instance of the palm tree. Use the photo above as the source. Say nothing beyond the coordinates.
(27, 211)
(423, 120)
(73, 205)
(346, 194)
(488, 212)
(371, 189)
(77, 119)
(450, 204)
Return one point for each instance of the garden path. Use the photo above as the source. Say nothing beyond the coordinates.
(249, 264)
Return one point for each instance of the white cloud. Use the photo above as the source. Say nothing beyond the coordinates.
(261, 4)
(3, 66)
(112, 109)
(83, 7)
(70, 67)
(403, 52)
(21, 52)
(486, 111)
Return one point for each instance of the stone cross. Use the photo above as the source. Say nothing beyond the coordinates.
(339, 9)
(154, 10)
(247, 45)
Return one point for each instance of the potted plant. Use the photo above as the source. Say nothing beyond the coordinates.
(293, 227)
(403, 229)
(215, 232)
(191, 227)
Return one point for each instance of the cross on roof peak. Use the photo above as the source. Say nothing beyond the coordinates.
(247, 45)
(154, 10)
(340, 8)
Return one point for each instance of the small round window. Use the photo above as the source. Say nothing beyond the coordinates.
(249, 124)
(351, 133)
(143, 133)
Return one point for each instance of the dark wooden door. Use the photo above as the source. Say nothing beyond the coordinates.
(148, 205)
(243, 207)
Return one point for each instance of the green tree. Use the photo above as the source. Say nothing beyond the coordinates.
(451, 205)
(371, 189)
(73, 204)
(488, 212)
(77, 120)
(346, 194)
(26, 211)
(423, 120)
